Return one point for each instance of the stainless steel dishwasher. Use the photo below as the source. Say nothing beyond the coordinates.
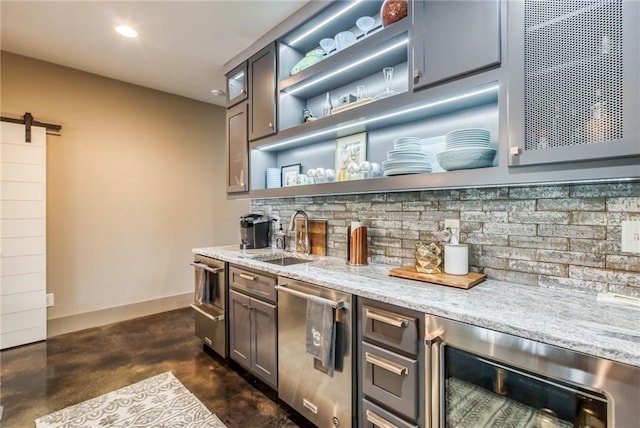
(325, 400)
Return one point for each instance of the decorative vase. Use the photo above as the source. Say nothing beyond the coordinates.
(428, 258)
(393, 11)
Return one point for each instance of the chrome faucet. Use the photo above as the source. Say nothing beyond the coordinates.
(292, 222)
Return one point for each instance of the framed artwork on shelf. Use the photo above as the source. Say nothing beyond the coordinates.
(290, 174)
(350, 150)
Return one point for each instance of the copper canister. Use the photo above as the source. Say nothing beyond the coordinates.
(357, 244)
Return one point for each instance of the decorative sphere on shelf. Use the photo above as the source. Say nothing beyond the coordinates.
(393, 11)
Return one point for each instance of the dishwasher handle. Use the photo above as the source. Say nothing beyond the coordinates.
(211, 317)
(206, 267)
(336, 305)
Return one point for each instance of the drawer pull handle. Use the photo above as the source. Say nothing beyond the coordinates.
(248, 277)
(378, 420)
(386, 364)
(394, 321)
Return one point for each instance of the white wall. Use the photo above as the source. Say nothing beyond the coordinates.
(133, 183)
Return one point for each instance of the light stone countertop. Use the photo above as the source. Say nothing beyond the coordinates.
(557, 317)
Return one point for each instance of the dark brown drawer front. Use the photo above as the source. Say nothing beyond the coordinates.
(391, 380)
(253, 283)
(374, 417)
(390, 329)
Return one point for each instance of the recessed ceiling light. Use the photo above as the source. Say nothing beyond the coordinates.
(217, 92)
(126, 31)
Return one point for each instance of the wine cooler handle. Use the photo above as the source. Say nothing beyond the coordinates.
(434, 336)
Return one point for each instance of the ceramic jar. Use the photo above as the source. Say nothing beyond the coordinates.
(393, 11)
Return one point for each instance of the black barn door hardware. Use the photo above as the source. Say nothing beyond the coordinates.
(28, 122)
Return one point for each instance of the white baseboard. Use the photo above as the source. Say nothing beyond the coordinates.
(71, 323)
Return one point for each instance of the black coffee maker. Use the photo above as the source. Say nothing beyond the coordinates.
(254, 231)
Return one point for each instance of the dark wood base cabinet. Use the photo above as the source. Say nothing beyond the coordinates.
(253, 339)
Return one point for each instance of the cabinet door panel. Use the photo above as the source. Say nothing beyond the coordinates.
(264, 342)
(240, 328)
(237, 149)
(237, 85)
(579, 67)
(455, 38)
(262, 112)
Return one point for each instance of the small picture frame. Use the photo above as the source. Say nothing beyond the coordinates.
(350, 149)
(290, 174)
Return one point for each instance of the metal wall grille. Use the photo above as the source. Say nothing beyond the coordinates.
(573, 72)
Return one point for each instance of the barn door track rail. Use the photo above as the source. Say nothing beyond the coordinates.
(28, 122)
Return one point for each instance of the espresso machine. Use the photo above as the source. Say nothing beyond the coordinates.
(254, 231)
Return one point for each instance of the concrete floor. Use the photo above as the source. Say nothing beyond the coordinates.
(40, 378)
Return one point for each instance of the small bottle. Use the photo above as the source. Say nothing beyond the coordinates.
(575, 126)
(326, 111)
(600, 126)
(555, 126)
(280, 239)
(543, 141)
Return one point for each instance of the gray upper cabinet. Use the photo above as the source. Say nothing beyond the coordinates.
(237, 149)
(576, 65)
(237, 90)
(454, 38)
(262, 104)
(560, 98)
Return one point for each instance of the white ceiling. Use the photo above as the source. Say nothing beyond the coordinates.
(181, 48)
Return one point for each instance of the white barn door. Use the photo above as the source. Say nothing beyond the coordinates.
(23, 315)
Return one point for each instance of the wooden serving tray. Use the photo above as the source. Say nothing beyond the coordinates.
(460, 281)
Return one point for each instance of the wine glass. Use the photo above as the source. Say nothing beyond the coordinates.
(387, 72)
(365, 24)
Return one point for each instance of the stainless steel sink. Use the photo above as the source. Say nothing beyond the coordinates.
(287, 261)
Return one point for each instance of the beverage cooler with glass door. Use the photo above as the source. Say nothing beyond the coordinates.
(483, 378)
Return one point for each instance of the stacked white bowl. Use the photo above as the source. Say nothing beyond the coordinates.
(467, 148)
(406, 158)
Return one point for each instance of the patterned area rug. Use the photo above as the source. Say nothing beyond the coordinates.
(160, 402)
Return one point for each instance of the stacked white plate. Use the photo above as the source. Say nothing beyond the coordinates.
(406, 158)
(467, 148)
(273, 178)
(472, 137)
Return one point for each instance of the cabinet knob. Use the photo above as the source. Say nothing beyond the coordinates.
(416, 74)
(270, 125)
(242, 91)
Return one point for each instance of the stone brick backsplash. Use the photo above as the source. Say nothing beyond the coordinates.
(562, 236)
